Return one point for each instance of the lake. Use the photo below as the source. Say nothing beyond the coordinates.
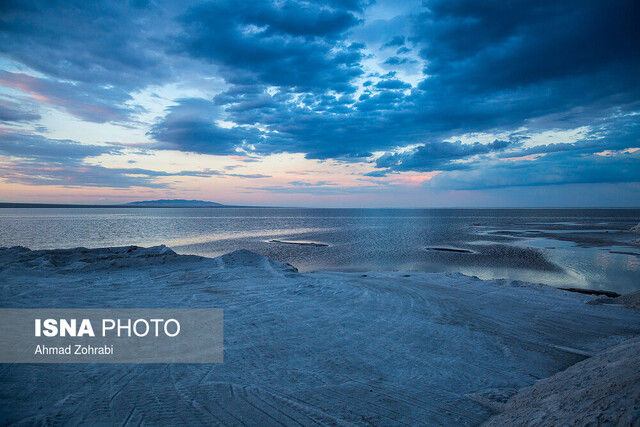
(585, 248)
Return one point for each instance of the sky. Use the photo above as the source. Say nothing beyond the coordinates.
(330, 103)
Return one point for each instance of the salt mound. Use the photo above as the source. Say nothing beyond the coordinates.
(83, 259)
(245, 258)
(629, 300)
(604, 389)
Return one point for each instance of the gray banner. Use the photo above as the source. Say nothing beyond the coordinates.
(111, 336)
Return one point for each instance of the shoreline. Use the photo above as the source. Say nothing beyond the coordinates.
(326, 346)
(348, 270)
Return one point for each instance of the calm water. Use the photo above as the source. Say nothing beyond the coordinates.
(561, 247)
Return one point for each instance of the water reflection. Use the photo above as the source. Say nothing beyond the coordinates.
(561, 247)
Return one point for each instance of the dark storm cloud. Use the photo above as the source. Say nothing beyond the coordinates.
(491, 66)
(498, 45)
(496, 65)
(293, 45)
(190, 125)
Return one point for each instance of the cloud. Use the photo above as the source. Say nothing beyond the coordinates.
(36, 160)
(397, 41)
(13, 112)
(437, 156)
(395, 60)
(497, 66)
(316, 190)
(311, 184)
(249, 175)
(284, 125)
(392, 84)
(113, 43)
(90, 102)
(553, 169)
(610, 153)
(190, 125)
(378, 173)
(499, 46)
(304, 77)
(460, 95)
(25, 145)
(291, 45)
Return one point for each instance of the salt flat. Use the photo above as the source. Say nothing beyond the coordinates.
(385, 348)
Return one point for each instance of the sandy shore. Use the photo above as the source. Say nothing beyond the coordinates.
(385, 348)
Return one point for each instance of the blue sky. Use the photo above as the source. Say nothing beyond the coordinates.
(326, 103)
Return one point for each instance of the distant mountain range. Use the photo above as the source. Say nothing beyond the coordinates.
(174, 203)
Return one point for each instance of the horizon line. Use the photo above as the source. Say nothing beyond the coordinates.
(40, 205)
